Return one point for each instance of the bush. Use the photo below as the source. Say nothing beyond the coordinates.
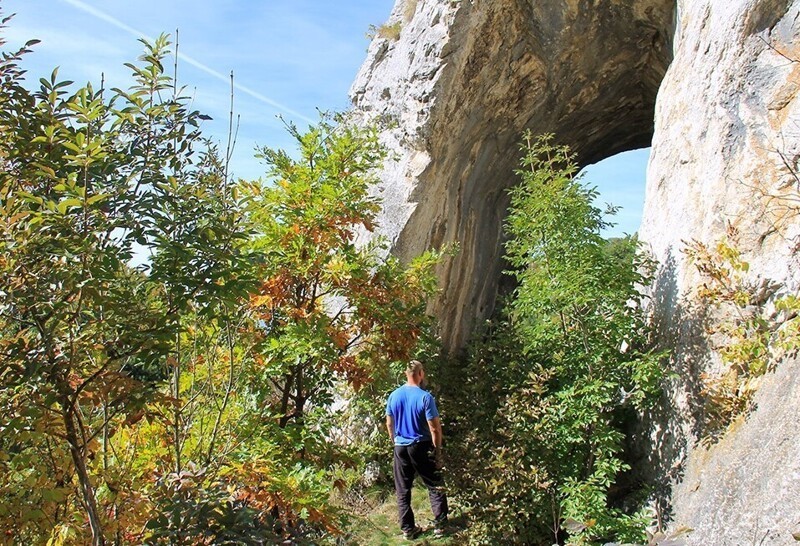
(548, 389)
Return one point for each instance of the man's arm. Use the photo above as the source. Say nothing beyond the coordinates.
(390, 426)
(435, 425)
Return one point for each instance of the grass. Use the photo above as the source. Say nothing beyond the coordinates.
(379, 527)
(392, 31)
(409, 10)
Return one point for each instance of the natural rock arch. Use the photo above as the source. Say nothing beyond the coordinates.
(465, 79)
(715, 84)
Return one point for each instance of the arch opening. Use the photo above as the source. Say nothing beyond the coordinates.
(590, 77)
(620, 182)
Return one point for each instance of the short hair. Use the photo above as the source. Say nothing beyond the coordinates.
(414, 367)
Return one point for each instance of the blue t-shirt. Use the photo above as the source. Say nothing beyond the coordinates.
(411, 408)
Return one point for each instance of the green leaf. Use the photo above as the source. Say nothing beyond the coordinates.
(97, 198)
(66, 204)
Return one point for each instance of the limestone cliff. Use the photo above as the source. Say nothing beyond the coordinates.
(714, 84)
(725, 153)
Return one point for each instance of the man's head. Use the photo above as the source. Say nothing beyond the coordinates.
(415, 373)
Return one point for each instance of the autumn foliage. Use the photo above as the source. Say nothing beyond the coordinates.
(170, 338)
(333, 309)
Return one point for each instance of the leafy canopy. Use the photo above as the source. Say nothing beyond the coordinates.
(171, 339)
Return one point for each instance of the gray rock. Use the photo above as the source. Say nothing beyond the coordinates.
(727, 125)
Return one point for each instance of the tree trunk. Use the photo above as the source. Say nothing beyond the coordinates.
(88, 498)
(285, 398)
(178, 413)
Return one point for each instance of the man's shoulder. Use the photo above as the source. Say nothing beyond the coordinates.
(397, 391)
(408, 391)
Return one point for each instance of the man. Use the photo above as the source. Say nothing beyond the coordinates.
(412, 420)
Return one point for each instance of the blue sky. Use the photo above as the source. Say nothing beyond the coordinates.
(620, 181)
(289, 57)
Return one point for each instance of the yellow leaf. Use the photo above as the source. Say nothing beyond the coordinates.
(257, 301)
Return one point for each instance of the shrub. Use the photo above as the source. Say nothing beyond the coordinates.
(540, 429)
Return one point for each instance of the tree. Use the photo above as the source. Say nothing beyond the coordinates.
(331, 308)
(87, 176)
(327, 312)
(560, 367)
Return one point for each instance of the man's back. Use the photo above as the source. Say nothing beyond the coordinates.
(411, 408)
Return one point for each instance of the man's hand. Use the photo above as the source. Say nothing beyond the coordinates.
(438, 458)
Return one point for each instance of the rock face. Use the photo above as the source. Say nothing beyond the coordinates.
(725, 153)
(714, 84)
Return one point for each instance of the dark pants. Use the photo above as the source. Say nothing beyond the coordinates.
(411, 460)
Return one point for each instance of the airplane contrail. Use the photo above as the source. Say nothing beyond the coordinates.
(94, 12)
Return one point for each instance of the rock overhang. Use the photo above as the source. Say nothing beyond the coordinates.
(464, 80)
